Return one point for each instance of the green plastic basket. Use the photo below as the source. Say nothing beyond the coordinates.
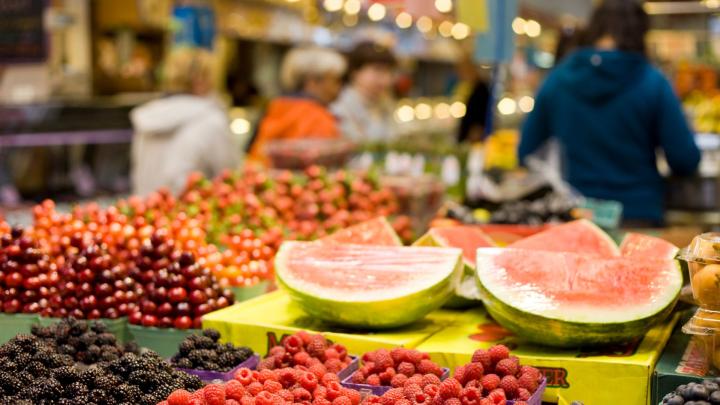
(118, 327)
(247, 293)
(14, 324)
(605, 214)
(163, 341)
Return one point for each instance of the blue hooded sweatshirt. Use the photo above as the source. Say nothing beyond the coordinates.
(610, 111)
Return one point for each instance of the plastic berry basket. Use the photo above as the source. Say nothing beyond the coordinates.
(14, 324)
(163, 341)
(246, 293)
(118, 326)
(536, 398)
(377, 390)
(220, 377)
(351, 368)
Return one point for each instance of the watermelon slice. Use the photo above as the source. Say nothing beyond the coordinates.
(647, 247)
(376, 231)
(469, 239)
(581, 236)
(572, 300)
(367, 287)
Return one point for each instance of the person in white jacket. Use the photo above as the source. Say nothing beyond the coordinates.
(185, 132)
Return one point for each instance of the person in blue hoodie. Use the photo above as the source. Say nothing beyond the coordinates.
(610, 111)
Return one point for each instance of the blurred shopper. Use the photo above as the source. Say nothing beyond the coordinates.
(184, 132)
(365, 108)
(476, 93)
(312, 78)
(610, 111)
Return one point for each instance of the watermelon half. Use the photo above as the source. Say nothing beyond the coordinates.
(377, 231)
(572, 300)
(367, 287)
(469, 239)
(581, 236)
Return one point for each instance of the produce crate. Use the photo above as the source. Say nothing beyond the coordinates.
(13, 324)
(613, 375)
(220, 377)
(118, 327)
(366, 389)
(261, 323)
(164, 341)
(246, 293)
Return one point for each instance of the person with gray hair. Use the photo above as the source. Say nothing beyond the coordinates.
(312, 79)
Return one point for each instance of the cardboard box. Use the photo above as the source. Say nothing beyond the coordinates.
(681, 362)
(618, 375)
(262, 322)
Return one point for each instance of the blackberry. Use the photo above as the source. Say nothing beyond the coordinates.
(212, 367)
(212, 334)
(88, 338)
(132, 347)
(108, 356)
(150, 399)
(67, 349)
(205, 343)
(36, 368)
(106, 339)
(101, 397)
(227, 361)
(76, 389)
(90, 376)
(99, 327)
(11, 385)
(66, 374)
(184, 363)
(186, 346)
(106, 382)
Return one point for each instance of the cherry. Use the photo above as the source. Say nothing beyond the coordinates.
(11, 306)
(88, 303)
(165, 322)
(183, 322)
(14, 279)
(197, 297)
(135, 318)
(149, 320)
(148, 307)
(183, 309)
(165, 309)
(177, 294)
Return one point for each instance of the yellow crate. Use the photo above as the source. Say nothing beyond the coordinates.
(620, 375)
(262, 322)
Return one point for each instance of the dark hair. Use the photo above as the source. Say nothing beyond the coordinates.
(623, 20)
(367, 53)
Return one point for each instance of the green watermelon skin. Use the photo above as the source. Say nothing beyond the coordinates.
(551, 331)
(370, 313)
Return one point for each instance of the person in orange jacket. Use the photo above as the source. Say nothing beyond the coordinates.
(312, 76)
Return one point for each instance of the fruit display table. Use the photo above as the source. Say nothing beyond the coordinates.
(262, 322)
(571, 374)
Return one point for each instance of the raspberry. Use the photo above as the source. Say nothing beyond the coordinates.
(267, 363)
(452, 401)
(431, 390)
(506, 367)
(450, 388)
(483, 357)
(490, 382)
(334, 365)
(406, 368)
(319, 393)
(398, 355)
(460, 374)
(509, 384)
(498, 353)
(234, 390)
(353, 395)
(254, 388)
(318, 369)
(399, 380)
(521, 403)
(416, 379)
(373, 380)
(270, 386)
(413, 356)
(528, 382)
(162, 403)
(327, 379)
(430, 379)
(341, 401)
(301, 358)
(473, 371)
(309, 381)
(497, 396)
(293, 344)
(383, 360)
(523, 394)
(334, 389)
(403, 402)
(196, 401)
(245, 401)
(304, 336)
(316, 347)
(276, 351)
(214, 394)
(179, 397)
(265, 398)
(532, 371)
(265, 375)
(387, 375)
(428, 367)
(393, 395)
(410, 390)
(301, 394)
(231, 402)
(486, 401)
(342, 351)
(331, 354)
(470, 395)
(358, 378)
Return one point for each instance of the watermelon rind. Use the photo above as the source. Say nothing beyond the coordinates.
(372, 310)
(647, 247)
(560, 330)
(466, 293)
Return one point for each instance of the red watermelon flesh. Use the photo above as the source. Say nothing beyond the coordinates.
(647, 247)
(581, 236)
(376, 231)
(467, 238)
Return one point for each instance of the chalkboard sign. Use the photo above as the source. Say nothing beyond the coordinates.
(22, 35)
